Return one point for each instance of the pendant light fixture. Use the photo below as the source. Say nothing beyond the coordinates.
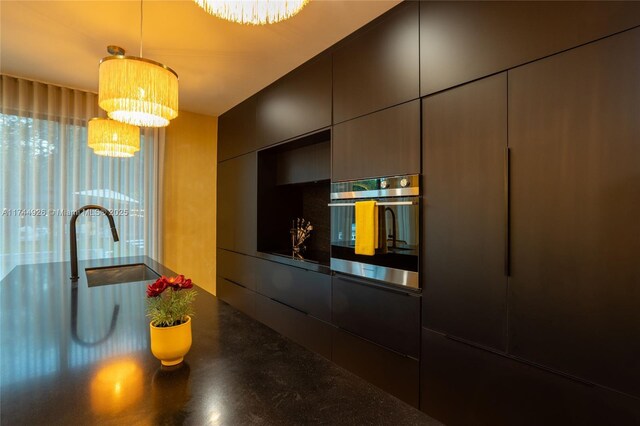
(112, 138)
(135, 90)
(256, 12)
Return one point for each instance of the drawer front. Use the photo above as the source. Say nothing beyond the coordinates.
(387, 317)
(237, 296)
(307, 291)
(303, 329)
(238, 268)
(390, 371)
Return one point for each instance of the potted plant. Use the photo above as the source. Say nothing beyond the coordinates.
(170, 306)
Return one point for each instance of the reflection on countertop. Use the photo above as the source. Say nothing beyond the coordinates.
(237, 372)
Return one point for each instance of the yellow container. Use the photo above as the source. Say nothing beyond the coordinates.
(171, 344)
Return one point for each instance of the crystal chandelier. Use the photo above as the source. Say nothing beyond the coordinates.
(256, 12)
(112, 138)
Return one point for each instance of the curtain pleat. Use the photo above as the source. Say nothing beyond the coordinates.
(47, 171)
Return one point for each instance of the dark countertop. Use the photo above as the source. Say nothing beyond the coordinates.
(237, 372)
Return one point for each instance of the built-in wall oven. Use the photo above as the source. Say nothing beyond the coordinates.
(397, 257)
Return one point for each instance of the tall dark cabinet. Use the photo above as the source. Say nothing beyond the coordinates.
(237, 197)
(574, 131)
(464, 140)
(379, 67)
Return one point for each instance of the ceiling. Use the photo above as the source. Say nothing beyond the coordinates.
(219, 63)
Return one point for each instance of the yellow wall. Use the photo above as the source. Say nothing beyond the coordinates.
(189, 213)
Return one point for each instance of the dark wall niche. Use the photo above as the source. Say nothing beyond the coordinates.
(294, 181)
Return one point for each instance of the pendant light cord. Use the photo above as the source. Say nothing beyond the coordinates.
(141, 19)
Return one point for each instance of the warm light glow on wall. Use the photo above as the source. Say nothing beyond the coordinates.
(138, 91)
(256, 12)
(111, 138)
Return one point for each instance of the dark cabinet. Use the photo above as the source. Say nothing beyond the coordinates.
(237, 130)
(236, 221)
(385, 143)
(309, 332)
(464, 141)
(237, 296)
(237, 268)
(307, 291)
(379, 67)
(298, 103)
(463, 41)
(383, 315)
(395, 373)
(464, 385)
(574, 133)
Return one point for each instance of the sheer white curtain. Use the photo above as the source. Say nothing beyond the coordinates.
(47, 171)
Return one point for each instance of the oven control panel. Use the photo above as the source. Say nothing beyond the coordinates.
(390, 186)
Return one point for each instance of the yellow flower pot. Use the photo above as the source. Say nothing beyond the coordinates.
(171, 344)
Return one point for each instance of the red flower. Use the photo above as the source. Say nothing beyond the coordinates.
(176, 283)
(156, 289)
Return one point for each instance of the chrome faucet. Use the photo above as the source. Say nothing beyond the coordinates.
(74, 242)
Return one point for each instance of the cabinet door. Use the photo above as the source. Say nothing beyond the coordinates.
(307, 291)
(237, 130)
(306, 330)
(388, 317)
(385, 143)
(298, 103)
(394, 373)
(464, 138)
(237, 296)
(237, 268)
(237, 204)
(574, 292)
(378, 68)
(454, 51)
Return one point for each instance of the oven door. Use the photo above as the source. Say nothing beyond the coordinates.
(396, 261)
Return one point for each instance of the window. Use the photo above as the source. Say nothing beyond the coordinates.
(47, 171)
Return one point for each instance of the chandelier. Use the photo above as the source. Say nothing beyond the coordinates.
(136, 90)
(256, 12)
(112, 138)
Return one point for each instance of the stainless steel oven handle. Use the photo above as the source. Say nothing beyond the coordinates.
(389, 203)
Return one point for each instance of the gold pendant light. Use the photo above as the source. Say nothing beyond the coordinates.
(135, 90)
(112, 138)
(256, 12)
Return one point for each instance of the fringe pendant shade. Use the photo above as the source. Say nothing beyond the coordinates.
(138, 91)
(256, 12)
(112, 138)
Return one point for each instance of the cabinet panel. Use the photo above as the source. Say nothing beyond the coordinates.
(303, 329)
(298, 103)
(378, 68)
(388, 317)
(237, 296)
(463, 41)
(237, 130)
(463, 385)
(236, 219)
(384, 143)
(237, 268)
(305, 290)
(574, 290)
(390, 371)
(464, 138)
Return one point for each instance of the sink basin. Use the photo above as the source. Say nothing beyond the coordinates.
(119, 274)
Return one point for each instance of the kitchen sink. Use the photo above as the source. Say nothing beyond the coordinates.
(119, 274)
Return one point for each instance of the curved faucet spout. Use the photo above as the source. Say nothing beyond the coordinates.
(393, 235)
(73, 242)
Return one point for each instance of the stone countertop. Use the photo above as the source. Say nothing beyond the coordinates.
(61, 364)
